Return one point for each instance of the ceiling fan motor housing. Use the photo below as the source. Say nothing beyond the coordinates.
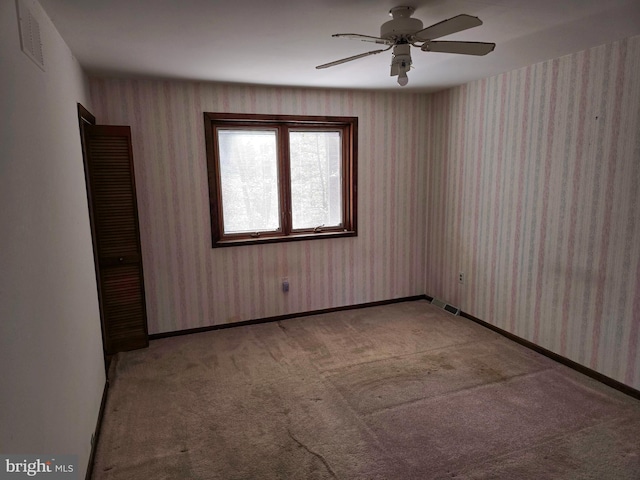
(402, 26)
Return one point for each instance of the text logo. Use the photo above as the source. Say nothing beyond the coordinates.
(50, 467)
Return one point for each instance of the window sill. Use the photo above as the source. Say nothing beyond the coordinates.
(287, 238)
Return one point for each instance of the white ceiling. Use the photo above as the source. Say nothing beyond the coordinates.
(277, 42)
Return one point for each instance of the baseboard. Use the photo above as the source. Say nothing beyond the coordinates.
(626, 389)
(96, 433)
(277, 318)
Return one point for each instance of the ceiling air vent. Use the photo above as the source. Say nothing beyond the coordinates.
(30, 40)
(445, 306)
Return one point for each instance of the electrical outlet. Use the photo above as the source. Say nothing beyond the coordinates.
(461, 278)
(285, 284)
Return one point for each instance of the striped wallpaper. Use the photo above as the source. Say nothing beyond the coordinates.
(532, 190)
(189, 284)
(527, 182)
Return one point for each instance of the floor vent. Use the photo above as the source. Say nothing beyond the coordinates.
(30, 40)
(445, 306)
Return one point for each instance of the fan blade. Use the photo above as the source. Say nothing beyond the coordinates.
(464, 48)
(447, 27)
(348, 59)
(364, 38)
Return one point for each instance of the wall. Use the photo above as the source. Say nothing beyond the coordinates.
(533, 184)
(189, 284)
(50, 340)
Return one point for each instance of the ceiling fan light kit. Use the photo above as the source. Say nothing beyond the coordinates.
(402, 32)
(401, 62)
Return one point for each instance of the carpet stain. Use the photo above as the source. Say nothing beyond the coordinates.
(489, 374)
(437, 362)
(315, 454)
(273, 356)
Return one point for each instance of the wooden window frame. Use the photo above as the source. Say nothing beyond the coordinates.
(348, 127)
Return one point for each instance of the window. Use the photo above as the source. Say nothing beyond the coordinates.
(278, 178)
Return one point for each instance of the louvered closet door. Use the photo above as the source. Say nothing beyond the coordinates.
(116, 236)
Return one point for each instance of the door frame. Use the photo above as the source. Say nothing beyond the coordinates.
(85, 117)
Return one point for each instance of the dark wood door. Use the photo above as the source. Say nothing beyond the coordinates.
(116, 236)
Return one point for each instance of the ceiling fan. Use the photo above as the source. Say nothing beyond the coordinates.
(403, 31)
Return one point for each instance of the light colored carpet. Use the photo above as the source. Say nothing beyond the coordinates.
(404, 391)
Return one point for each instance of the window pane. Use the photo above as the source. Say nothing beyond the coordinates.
(249, 174)
(316, 178)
